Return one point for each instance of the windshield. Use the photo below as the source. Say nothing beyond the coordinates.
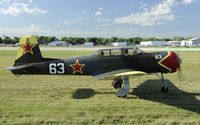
(119, 51)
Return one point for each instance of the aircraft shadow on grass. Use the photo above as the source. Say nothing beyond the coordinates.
(84, 93)
(149, 90)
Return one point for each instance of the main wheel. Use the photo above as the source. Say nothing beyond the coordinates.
(122, 96)
(117, 84)
(164, 89)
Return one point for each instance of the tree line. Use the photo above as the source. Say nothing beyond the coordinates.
(44, 40)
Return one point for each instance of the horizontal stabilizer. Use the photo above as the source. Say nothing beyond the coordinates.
(18, 67)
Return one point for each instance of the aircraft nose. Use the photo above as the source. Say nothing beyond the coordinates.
(171, 61)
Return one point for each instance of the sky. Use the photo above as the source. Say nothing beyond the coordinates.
(100, 18)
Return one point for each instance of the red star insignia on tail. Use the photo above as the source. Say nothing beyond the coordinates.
(27, 47)
(77, 67)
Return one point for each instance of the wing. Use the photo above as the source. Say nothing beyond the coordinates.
(120, 73)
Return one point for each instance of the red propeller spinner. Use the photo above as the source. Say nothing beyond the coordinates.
(171, 62)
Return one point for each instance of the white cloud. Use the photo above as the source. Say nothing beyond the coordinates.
(187, 1)
(104, 20)
(83, 12)
(30, 1)
(15, 31)
(16, 7)
(105, 25)
(34, 29)
(99, 12)
(143, 5)
(156, 15)
(67, 22)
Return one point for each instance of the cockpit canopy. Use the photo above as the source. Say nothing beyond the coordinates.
(119, 51)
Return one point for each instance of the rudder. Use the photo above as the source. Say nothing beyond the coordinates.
(28, 51)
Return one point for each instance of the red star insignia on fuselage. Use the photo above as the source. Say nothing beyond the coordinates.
(27, 47)
(77, 67)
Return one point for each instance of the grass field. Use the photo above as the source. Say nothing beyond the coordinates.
(84, 100)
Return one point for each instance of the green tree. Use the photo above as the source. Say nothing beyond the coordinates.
(178, 38)
(137, 40)
(67, 39)
(7, 40)
(64, 39)
(150, 39)
(45, 39)
(51, 38)
(15, 40)
(91, 39)
(120, 40)
(113, 39)
(40, 39)
(1, 41)
(166, 39)
(79, 40)
(105, 41)
(99, 41)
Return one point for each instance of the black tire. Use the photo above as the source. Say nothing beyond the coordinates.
(164, 89)
(122, 96)
(117, 84)
(125, 96)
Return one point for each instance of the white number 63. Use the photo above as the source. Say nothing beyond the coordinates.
(58, 68)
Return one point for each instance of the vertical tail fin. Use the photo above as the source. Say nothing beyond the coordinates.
(28, 51)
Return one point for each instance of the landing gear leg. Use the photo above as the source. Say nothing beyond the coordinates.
(164, 89)
(123, 92)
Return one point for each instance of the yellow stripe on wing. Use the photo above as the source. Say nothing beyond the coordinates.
(131, 73)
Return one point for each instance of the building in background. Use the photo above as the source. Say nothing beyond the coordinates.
(58, 43)
(119, 44)
(193, 42)
(88, 44)
(183, 43)
(174, 43)
(153, 43)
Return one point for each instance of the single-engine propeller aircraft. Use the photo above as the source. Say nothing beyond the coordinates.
(117, 64)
